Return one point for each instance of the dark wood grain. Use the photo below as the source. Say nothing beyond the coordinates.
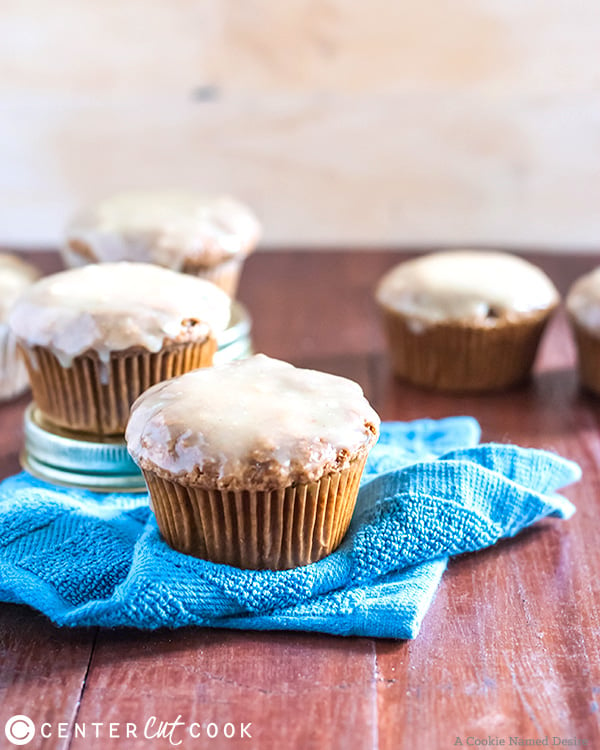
(293, 691)
(510, 647)
(42, 672)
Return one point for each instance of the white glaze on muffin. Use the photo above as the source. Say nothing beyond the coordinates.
(259, 423)
(466, 286)
(111, 307)
(170, 228)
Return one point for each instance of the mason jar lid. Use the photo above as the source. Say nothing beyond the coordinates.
(237, 331)
(71, 458)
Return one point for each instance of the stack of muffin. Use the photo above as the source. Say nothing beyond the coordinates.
(253, 463)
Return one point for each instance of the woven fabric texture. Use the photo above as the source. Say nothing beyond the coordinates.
(429, 492)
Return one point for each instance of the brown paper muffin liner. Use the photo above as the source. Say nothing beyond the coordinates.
(94, 397)
(273, 530)
(459, 357)
(588, 355)
(13, 374)
(225, 275)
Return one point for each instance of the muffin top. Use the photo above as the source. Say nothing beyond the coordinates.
(466, 285)
(583, 300)
(15, 277)
(258, 423)
(109, 307)
(169, 228)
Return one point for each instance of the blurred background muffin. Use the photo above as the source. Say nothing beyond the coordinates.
(15, 277)
(465, 320)
(95, 337)
(583, 308)
(208, 236)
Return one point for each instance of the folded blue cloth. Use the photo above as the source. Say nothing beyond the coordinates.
(428, 493)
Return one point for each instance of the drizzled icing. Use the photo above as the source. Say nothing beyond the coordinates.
(583, 300)
(169, 228)
(258, 423)
(15, 277)
(466, 285)
(110, 307)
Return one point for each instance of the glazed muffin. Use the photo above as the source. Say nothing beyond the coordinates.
(583, 308)
(202, 235)
(15, 277)
(95, 337)
(253, 463)
(465, 320)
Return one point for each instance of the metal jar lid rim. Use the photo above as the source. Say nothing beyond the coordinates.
(72, 458)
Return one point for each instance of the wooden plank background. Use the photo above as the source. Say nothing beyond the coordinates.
(342, 122)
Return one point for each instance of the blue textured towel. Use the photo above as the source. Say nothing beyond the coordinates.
(428, 493)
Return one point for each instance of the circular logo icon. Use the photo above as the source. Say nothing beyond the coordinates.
(19, 729)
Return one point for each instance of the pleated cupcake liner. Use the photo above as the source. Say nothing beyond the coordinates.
(13, 373)
(458, 357)
(95, 397)
(275, 530)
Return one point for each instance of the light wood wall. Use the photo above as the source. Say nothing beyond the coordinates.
(341, 121)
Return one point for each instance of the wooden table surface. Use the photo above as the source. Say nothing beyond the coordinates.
(510, 647)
